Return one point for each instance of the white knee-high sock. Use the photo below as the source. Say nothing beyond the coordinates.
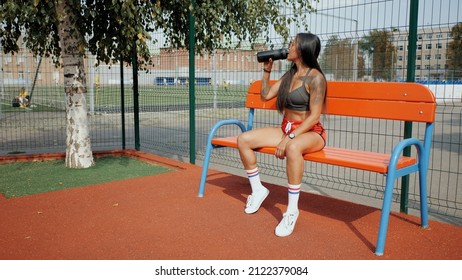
(294, 194)
(254, 178)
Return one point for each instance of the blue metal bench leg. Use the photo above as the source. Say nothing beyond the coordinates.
(205, 168)
(423, 198)
(386, 208)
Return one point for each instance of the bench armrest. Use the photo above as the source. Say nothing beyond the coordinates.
(224, 123)
(422, 156)
(209, 148)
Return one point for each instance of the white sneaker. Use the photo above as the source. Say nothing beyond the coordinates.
(255, 200)
(287, 224)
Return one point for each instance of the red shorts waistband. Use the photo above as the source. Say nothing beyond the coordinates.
(288, 126)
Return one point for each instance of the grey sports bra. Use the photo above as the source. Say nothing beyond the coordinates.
(299, 98)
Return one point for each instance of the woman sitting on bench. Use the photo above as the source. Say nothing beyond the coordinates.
(301, 94)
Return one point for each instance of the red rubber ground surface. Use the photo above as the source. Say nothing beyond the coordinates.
(161, 217)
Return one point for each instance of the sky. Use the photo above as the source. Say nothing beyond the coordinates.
(335, 16)
(356, 18)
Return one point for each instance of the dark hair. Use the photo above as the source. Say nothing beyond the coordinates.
(309, 46)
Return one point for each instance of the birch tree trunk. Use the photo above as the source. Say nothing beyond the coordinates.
(78, 145)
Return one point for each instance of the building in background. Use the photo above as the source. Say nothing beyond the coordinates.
(234, 66)
(431, 54)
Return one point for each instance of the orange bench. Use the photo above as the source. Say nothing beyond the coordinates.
(381, 100)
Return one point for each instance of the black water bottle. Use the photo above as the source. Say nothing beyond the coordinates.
(264, 56)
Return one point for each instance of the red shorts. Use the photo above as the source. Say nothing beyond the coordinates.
(288, 126)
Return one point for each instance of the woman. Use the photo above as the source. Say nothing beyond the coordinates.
(300, 94)
(23, 98)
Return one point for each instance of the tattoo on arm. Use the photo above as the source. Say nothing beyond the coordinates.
(318, 88)
(265, 87)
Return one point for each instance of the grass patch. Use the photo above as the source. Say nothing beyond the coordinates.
(26, 178)
(7, 108)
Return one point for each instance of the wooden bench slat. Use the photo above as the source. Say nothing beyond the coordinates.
(392, 101)
(381, 109)
(391, 91)
(376, 162)
(230, 141)
(364, 160)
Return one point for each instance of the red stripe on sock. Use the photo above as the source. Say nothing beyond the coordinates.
(252, 173)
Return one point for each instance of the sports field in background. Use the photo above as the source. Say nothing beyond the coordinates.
(46, 98)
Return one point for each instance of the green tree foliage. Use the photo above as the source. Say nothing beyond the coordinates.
(455, 53)
(111, 28)
(338, 59)
(382, 53)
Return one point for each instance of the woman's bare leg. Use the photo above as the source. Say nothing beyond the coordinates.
(248, 141)
(261, 137)
(295, 166)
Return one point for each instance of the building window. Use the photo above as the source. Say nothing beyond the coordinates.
(427, 66)
(428, 56)
(419, 46)
(419, 57)
(400, 48)
(418, 67)
(400, 58)
(439, 45)
(428, 46)
(438, 56)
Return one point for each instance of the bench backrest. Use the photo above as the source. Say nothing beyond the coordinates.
(384, 100)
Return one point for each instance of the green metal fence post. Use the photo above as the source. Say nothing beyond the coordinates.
(136, 109)
(192, 80)
(122, 101)
(412, 48)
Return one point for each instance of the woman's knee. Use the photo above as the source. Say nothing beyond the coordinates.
(243, 140)
(293, 150)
